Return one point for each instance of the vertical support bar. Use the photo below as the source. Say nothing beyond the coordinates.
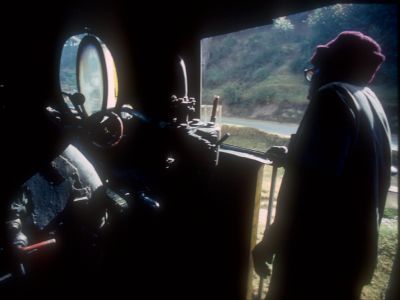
(253, 241)
(269, 216)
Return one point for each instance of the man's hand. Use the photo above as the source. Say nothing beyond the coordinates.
(262, 254)
(277, 154)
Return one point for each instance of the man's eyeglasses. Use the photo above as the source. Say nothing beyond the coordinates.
(309, 73)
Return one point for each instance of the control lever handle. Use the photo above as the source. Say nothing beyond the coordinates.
(214, 109)
(224, 138)
(78, 99)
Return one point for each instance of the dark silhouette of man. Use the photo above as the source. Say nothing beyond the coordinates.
(323, 241)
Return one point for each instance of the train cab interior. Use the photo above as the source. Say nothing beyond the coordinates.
(123, 84)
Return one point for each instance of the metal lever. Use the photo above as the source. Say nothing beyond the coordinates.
(78, 100)
(184, 73)
(223, 139)
(37, 246)
(214, 109)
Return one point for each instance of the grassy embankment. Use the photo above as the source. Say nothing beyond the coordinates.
(252, 138)
(387, 241)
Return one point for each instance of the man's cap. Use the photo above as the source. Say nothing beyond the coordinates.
(352, 54)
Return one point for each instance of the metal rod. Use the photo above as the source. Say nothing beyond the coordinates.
(214, 109)
(184, 73)
(271, 194)
(260, 288)
(269, 216)
(5, 277)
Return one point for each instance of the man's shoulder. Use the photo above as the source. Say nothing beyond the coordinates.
(338, 87)
(344, 90)
(339, 96)
(359, 100)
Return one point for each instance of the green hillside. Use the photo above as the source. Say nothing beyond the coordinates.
(259, 72)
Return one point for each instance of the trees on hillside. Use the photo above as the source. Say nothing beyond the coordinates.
(242, 66)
